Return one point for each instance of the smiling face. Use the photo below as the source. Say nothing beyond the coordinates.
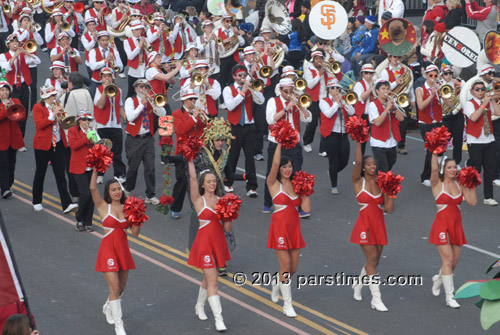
(115, 192)
(370, 166)
(210, 183)
(4, 93)
(450, 169)
(286, 170)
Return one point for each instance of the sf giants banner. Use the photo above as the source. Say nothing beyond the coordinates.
(328, 20)
(461, 47)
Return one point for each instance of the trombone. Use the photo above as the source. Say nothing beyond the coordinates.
(158, 100)
(300, 84)
(304, 100)
(257, 84)
(265, 71)
(401, 101)
(30, 46)
(350, 97)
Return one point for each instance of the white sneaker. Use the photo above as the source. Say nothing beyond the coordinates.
(122, 75)
(38, 207)
(307, 148)
(70, 208)
(121, 179)
(222, 106)
(323, 154)
(23, 149)
(490, 202)
(100, 180)
(496, 182)
(228, 189)
(334, 191)
(460, 168)
(152, 201)
(252, 194)
(427, 183)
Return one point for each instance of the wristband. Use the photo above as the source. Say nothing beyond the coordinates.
(482, 106)
(242, 94)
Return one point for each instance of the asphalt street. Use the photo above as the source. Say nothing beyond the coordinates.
(66, 294)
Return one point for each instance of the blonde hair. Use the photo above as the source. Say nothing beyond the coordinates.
(452, 4)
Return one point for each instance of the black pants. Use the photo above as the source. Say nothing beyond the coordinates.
(311, 126)
(7, 168)
(23, 94)
(33, 87)
(363, 145)
(226, 78)
(403, 128)
(338, 149)
(116, 136)
(85, 204)
(259, 115)
(483, 155)
(496, 133)
(121, 52)
(455, 125)
(130, 90)
(73, 187)
(385, 158)
(57, 158)
(140, 150)
(295, 155)
(180, 186)
(41, 19)
(244, 140)
(424, 129)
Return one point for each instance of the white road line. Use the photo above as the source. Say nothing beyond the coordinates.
(482, 251)
(258, 174)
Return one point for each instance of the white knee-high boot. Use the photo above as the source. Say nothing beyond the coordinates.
(275, 292)
(437, 281)
(448, 290)
(106, 310)
(200, 304)
(116, 311)
(357, 287)
(376, 303)
(214, 302)
(286, 292)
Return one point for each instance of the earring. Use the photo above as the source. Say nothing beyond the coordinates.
(363, 169)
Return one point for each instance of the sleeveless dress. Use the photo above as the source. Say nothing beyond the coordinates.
(370, 225)
(448, 220)
(209, 247)
(114, 252)
(284, 231)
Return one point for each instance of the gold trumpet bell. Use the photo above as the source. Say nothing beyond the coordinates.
(6, 8)
(257, 85)
(111, 91)
(106, 142)
(266, 71)
(300, 84)
(68, 122)
(305, 100)
(403, 100)
(160, 100)
(31, 46)
(446, 91)
(351, 98)
(198, 79)
(116, 69)
(335, 67)
(65, 26)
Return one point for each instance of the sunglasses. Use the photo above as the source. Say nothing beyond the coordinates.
(287, 91)
(191, 99)
(143, 86)
(447, 73)
(85, 119)
(398, 57)
(321, 43)
(432, 75)
(480, 89)
(228, 20)
(241, 75)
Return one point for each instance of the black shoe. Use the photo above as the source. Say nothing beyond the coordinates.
(79, 226)
(89, 229)
(7, 194)
(223, 272)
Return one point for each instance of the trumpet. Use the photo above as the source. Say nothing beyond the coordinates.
(72, 53)
(113, 65)
(304, 100)
(184, 62)
(30, 46)
(6, 8)
(65, 122)
(300, 84)
(65, 26)
(111, 91)
(350, 97)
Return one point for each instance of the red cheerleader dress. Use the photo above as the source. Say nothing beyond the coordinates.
(114, 252)
(448, 220)
(370, 225)
(209, 247)
(284, 231)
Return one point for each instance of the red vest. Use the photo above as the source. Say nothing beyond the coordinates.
(295, 113)
(475, 128)
(326, 125)
(72, 19)
(390, 124)
(178, 46)
(52, 44)
(43, 134)
(96, 75)
(101, 24)
(211, 105)
(10, 133)
(166, 42)
(24, 69)
(158, 86)
(79, 144)
(424, 115)
(72, 63)
(134, 127)
(102, 115)
(360, 107)
(315, 91)
(134, 63)
(88, 37)
(234, 116)
(184, 125)
(236, 55)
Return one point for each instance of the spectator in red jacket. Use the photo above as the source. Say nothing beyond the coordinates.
(436, 12)
(486, 16)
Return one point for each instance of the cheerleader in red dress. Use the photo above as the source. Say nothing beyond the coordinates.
(284, 232)
(369, 231)
(114, 258)
(209, 250)
(447, 232)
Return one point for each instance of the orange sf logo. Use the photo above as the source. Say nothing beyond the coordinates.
(328, 12)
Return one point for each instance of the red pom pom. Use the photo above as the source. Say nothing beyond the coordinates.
(99, 158)
(303, 183)
(135, 211)
(166, 140)
(188, 147)
(389, 183)
(469, 177)
(284, 133)
(358, 129)
(166, 200)
(436, 141)
(228, 207)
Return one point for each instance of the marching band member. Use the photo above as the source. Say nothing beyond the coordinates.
(89, 40)
(156, 77)
(207, 42)
(97, 13)
(226, 33)
(262, 58)
(73, 18)
(62, 52)
(16, 64)
(270, 47)
(384, 118)
(316, 77)
(364, 91)
(12, 140)
(239, 99)
(108, 111)
(208, 92)
(139, 144)
(49, 143)
(159, 36)
(53, 28)
(334, 115)
(454, 120)
(480, 139)
(135, 48)
(288, 72)
(185, 72)
(182, 34)
(118, 15)
(79, 142)
(331, 55)
(102, 56)
(429, 113)
(285, 105)
(58, 77)
(187, 121)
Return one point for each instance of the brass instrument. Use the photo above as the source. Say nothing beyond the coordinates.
(65, 26)
(16, 113)
(105, 142)
(37, 27)
(350, 97)
(257, 84)
(72, 53)
(407, 81)
(400, 101)
(113, 65)
(229, 47)
(158, 100)
(79, 7)
(111, 91)
(197, 79)
(496, 86)
(150, 19)
(120, 30)
(304, 100)
(50, 10)
(65, 122)
(300, 84)
(30, 46)
(106, 11)
(184, 62)
(454, 100)
(335, 67)
(446, 91)
(6, 8)
(265, 71)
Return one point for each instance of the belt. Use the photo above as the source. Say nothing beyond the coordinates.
(140, 136)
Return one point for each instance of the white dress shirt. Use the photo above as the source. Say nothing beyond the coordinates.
(482, 139)
(133, 113)
(112, 122)
(233, 102)
(271, 112)
(373, 114)
(329, 111)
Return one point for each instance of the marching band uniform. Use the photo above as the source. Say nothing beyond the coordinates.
(74, 19)
(116, 16)
(186, 72)
(182, 35)
(137, 57)
(209, 94)
(210, 50)
(156, 37)
(56, 82)
(88, 43)
(362, 107)
(144, 7)
(52, 30)
(103, 21)
(71, 63)
(4, 28)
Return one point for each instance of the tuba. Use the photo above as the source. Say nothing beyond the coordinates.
(49, 10)
(229, 48)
